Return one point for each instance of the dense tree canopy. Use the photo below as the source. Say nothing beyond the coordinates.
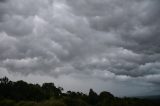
(21, 93)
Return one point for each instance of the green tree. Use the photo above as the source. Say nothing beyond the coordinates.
(93, 97)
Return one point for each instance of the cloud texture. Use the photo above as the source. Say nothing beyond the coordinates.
(103, 40)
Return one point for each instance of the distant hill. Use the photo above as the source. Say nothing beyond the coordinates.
(21, 93)
(151, 97)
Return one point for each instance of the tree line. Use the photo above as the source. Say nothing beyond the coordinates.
(21, 93)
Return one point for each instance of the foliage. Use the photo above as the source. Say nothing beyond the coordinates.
(21, 93)
(28, 103)
(7, 103)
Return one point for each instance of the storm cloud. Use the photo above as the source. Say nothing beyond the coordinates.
(111, 41)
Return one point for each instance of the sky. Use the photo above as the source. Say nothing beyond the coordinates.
(107, 45)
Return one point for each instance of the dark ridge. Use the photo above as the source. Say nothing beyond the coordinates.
(21, 93)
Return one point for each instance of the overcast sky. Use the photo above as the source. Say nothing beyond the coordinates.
(111, 45)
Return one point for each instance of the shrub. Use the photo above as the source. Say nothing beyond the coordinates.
(26, 103)
(51, 103)
(7, 103)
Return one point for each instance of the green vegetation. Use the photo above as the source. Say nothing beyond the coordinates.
(21, 93)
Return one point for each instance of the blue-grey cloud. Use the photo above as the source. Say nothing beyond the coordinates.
(107, 40)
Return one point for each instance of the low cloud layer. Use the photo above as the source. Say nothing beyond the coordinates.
(104, 40)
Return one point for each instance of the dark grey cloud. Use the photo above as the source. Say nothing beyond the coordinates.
(2, 1)
(2, 10)
(95, 40)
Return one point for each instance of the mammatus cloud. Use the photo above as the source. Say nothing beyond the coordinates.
(103, 40)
